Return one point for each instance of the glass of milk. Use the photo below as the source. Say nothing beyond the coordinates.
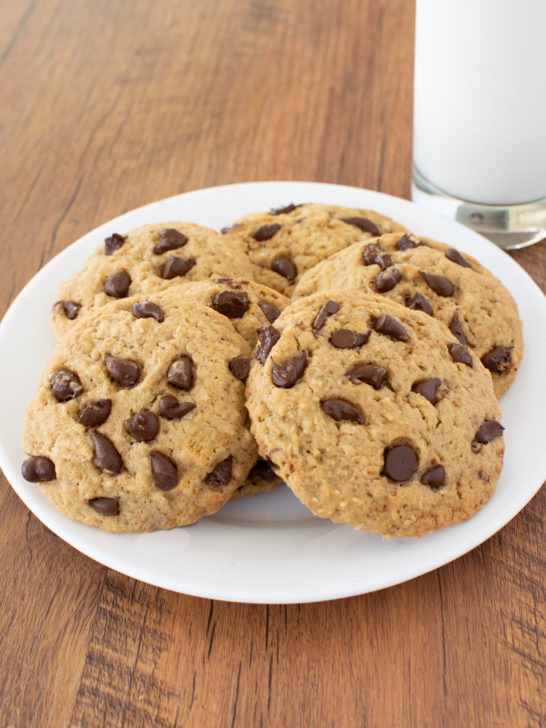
(479, 128)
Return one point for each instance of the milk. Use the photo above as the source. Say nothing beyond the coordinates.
(480, 98)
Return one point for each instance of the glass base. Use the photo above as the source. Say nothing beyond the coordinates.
(508, 226)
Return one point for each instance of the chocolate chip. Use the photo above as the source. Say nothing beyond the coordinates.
(113, 243)
(369, 373)
(172, 409)
(270, 311)
(339, 409)
(174, 267)
(456, 257)
(180, 373)
(164, 471)
(105, 506)
(439, 284)
(221, 475)
(230, 303)
(265, 232)
(95, 413)
(456, 329)
(427, 388)
(498, 359)
(65, 385)
(347, 339)
(106, 456)
(387, 280)
(267, 338)
(405, 243)
(225, 230)
(240, 367)
(262, 470)
(362, 223)
(418, 302)
(286, 373)
(434, 477)
(70, 308)
(460, 353)
(147, 309)
(285, 267)
(169, 239)
(400, 462)
(385, 324)
(327, 309)
(38, 469)
(142, 426)
(488, 431)
(123, 371)
(375, 254)
(117, 285)
(284, 210)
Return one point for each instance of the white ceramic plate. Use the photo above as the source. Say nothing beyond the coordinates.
(270, 548)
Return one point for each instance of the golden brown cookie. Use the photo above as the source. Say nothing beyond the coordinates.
(375, 415)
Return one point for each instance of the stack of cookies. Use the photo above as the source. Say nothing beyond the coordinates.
(321, 346)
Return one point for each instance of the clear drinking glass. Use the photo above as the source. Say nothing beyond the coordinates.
(479, 128)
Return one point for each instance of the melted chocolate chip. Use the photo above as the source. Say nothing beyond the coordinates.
(65, 385)
(418, 302)
(439, 284)
(456, 329)
(147, 309)
(368, 373)
(387, 280)
(389, 326)
(117, 285)
(498, 359)
(456, 257)
(284, 210)
(460, 353)
(172, 409)
(38, 469)
(174, 267)
(95, 413)
(262, 470)
(267, 338)
(347, 339)
(270, 311)
(362, 223)
(400, 462)
(70, 308)
(106, 456)
(266, 232)
(142, 426)
(434, 477)
(169, 239)
(105, 506)
(125, 372)
(285, 267)
(286, 373)
(180, 373)
(375, 254)
(221, 475)
(427, 388)
(405, 243)
(232, 304)
(240, 367)
(164, 471)
(327, 309)
(339, 409)
(113, 243)
(488, 431)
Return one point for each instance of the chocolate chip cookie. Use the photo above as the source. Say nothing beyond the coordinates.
(375, 415)
(287, 241)
(139, 419)
(145, 260)
(428, 276)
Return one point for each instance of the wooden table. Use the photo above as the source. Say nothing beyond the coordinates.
(107, 105)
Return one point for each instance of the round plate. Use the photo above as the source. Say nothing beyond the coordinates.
(269, 548)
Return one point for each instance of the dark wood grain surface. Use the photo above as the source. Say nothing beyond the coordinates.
(110, 104)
